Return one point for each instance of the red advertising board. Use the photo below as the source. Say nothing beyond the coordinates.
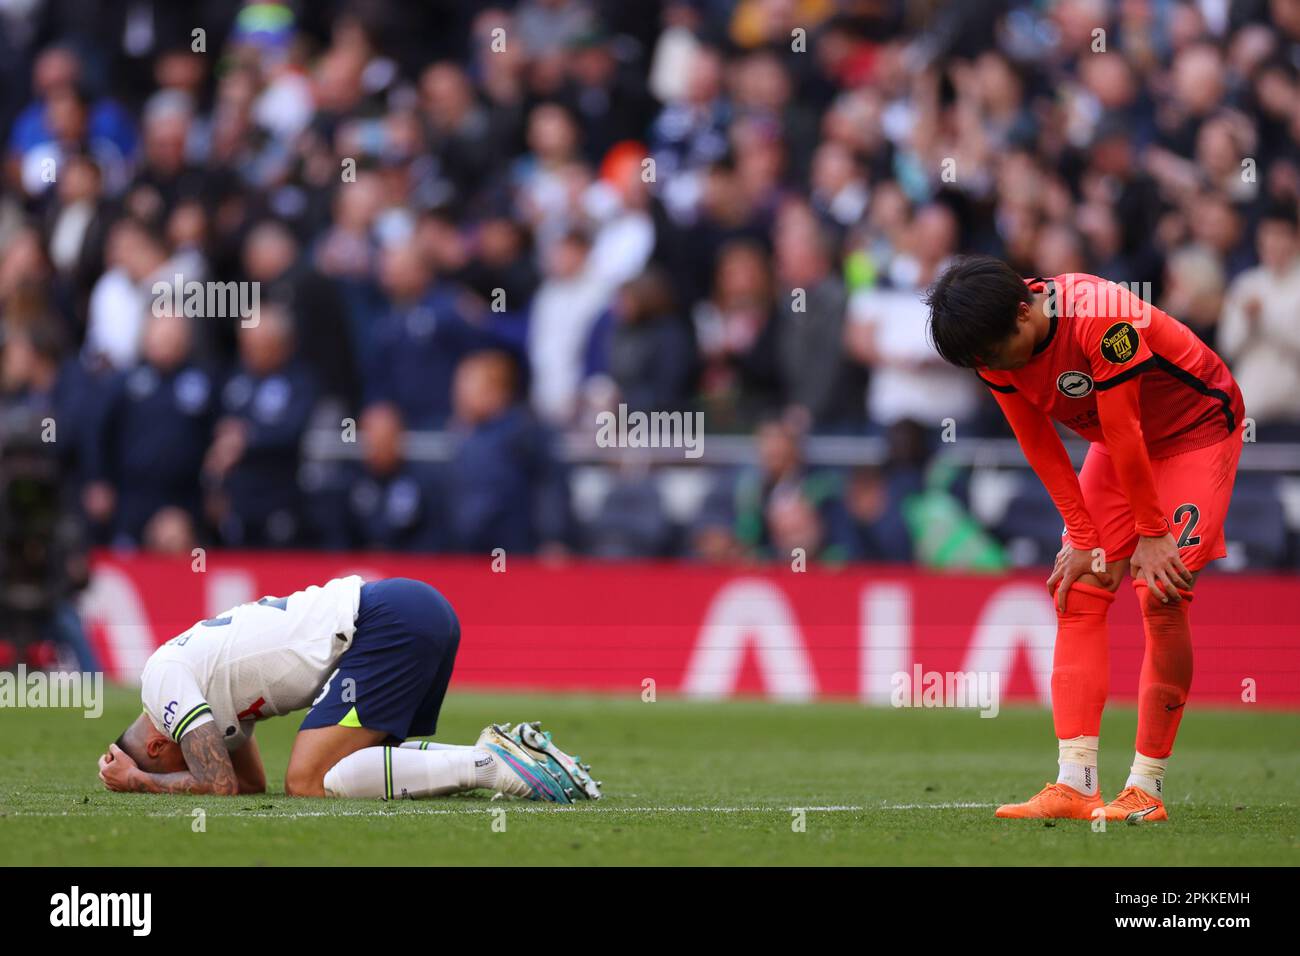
(860, 633)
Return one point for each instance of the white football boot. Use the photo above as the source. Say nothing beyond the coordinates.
(571, 771)
(519, 773)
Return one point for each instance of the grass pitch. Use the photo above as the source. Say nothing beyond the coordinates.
(686, 783)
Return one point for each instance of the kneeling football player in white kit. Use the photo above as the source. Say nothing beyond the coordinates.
(370, 662)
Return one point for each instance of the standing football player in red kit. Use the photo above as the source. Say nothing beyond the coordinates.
(1164, 417)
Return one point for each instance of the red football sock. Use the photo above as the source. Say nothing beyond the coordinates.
(1081, 663)
(1166, 670)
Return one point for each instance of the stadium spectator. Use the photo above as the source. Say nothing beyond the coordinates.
(348, 248)
(800, 529)
(137, 256)
(74, 228)
(504, 488)
(607, 100)
(271, 258)
(1194, 287)
(816, 376)
(782, 504)
(721, 213)
(419, 341)
(713, 530)
(166, 174)
(567, 306)
(1260, 329)
(38, 376)
(384, 502)
(875, 509)
(646, 347)
(28, 285)
(735, 329)
(839, 188)
(461, 132)
(501, 267)
(1218, 225)
(632, 521)
(252, 464)
(171, 531)
(150, 441)
(887, 333)
(690, 132)
(550, 177)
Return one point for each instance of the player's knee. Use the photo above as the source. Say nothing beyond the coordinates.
(304, 782)
(362, 773)
(1153, 607)
(1095, 582)
(1086, 600)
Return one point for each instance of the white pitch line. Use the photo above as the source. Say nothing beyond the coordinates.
(379, 813)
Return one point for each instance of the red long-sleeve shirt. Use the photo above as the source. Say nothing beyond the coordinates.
(1123, 374)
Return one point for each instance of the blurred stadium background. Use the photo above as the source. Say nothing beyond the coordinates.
(472, 227)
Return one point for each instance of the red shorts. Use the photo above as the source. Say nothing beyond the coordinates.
(1194, 488)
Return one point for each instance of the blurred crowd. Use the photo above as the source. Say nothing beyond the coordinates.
(495, 220)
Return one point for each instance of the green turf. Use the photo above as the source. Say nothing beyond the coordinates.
(687, 783)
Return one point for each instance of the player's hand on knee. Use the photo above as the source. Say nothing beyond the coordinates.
(1156, 561)
(1071, 564)
(1058, 568)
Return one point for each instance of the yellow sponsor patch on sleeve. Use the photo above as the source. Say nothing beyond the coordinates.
(1119, 343)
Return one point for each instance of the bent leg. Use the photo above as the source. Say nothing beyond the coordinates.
(406, 773)
(1081, 678)
(317, 749)
(343, 761)
(1081, 661)
(1195, 492)
(388, 686)
(1166, 676)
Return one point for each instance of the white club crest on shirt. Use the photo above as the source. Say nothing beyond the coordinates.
(1074, 384)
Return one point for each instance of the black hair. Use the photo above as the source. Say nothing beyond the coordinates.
(124, 746)
(973, 307)
(149, 229)
(1280, 210)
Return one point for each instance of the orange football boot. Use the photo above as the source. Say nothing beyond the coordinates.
(1135, 805)
(1054, 801)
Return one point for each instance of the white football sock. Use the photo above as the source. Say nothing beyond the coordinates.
(1078, 762)
(1149, 774)
(431, 745)
(404, 772)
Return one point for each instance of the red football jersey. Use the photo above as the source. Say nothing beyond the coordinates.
(1101, 334)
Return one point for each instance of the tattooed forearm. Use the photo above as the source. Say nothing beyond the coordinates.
(183, 782)
(209, 761)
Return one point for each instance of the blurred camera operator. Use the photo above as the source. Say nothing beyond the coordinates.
(42, 545)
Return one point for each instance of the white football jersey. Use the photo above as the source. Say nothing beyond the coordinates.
(254, 661)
